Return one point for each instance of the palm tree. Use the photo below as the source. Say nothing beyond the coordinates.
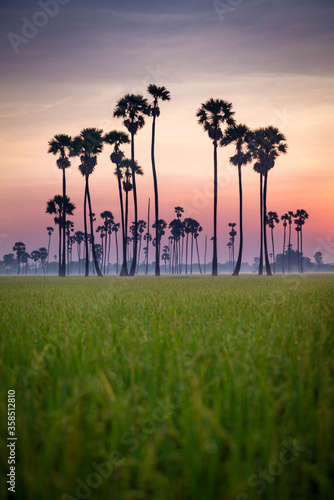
(69, 225)
(212, 115)
(232, 234)
(35, 256)
(108, 219)
(290, 214)
(55, 206)
(132, 109)
(160, 231)
(8, 260)
(79, 237)
(284, 218)
(265, 145)
(60, 145)
(20, 249)
(24, 259)
(238, 135)
(50, 231)
(301, 215)
(116, 139)
(163, 94)
(114, 228)
(87, 146)
(165, 256)
(124, 171)
(271, 220)
(141, 229)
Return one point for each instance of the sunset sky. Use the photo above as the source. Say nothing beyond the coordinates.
(272, 59)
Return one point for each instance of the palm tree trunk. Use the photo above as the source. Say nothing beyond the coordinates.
(148, 230)
(284, 240)
(298, 258)
(215, 202)
(109, 243)
(187, 254)
(261, 225)
(156, 200)
(199, 262)
(59, 247)
(192, 251)
(239, 260)
(63, 264)
(116, 252)
(301, 250)
(98, 272)
(269, 273)
(85, 229)
(134, 257)
(273, 247)
(289, 253)
(124, 270)
(48, 253)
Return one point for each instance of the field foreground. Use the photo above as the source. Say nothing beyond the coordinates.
(174, 388)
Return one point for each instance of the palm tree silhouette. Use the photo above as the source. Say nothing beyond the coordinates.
(35, 256)
(108, 219)
(79, 237)
(24, 259)
(301, 215)
(271, 220)
(60, 144)
(114, 228)
(124, 171)
(8, 260)
(132, 109)
(238, 135)
(290, 214)
(20, 249)
(165, 256)
(69, 226)
(116, 139)
(163, 94)
(265, 145)
(232, 234)
(55, 207)
(50, 231)
(284, 218)
(212, 115)
(87, 146)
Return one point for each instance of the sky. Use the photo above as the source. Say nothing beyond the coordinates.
(65, 63)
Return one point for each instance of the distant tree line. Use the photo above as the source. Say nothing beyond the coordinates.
(262, 146)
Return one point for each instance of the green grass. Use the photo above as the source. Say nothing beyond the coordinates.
(186, 388)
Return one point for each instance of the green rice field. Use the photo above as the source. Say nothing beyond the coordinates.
(171, 388)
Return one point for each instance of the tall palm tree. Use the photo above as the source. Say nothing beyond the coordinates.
(271, 220)
(69, 225)
(116, 139)
(239, 136)
(108, 220)
(123, 171)
(132, 109)
(50, 231)
(60, 145)
(87, 146)
(35, 256)
(213, 114)
(265, 145)
(301, 215)
(163, 94)
(20, 249)
(55, 207)
(284, 218)
(290, 214)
